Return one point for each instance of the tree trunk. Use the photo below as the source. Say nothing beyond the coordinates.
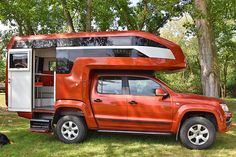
(144, 15)
(225, 73)
(20, 26)
(29, 29)
(88, 16)
(207, 53)
(68, 17)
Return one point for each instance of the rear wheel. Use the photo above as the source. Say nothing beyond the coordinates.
(197, 133)
(71, 129)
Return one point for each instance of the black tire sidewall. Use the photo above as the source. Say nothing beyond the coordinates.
(80, 124)
(193, 121)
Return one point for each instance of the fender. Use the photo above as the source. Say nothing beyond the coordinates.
(177, 118)
(79, 105)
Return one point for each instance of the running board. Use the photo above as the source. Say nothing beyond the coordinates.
(40, 125)
(136, 132)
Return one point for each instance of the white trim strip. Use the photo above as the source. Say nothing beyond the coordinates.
(156, 52)
(152, 52)
(54, 87)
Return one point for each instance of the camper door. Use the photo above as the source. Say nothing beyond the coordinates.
(20, 80)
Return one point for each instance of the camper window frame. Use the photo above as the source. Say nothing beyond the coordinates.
(19, 51)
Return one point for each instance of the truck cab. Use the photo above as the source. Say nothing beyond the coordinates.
(105, 81)
(139, 102)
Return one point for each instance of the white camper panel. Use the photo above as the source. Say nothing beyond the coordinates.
(20, 80)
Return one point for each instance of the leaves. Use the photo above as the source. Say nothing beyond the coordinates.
(47, 16)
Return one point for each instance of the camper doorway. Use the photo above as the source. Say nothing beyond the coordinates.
(20, 80)
(44, 74)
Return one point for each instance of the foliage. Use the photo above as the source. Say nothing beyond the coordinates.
(5, 37)
(224, 31)
(32, 16)
(147, 15)
(187, 80)
(2, 71)
(47, 16)
(222, 15)
(43, 16)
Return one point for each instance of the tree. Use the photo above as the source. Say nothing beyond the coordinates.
(32, 16)
(227, 56)
(88, 19)
(207, 50)
(104, 15)
(187, 80)
(224, 24)
(214, 25)
(4, 39)
(68, 17)
(147, 15)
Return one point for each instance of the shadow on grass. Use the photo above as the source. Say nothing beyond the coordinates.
(122, 138)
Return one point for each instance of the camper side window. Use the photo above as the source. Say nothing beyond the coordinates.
(18, 60)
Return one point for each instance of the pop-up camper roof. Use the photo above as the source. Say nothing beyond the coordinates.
(125, 49)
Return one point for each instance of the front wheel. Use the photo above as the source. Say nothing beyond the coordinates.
(197, 133)
(71, 129)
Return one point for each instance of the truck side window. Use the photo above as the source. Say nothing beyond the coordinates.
(109, 85)
(142, 86)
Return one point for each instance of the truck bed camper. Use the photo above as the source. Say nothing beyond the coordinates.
(73, 82)
(53, 67)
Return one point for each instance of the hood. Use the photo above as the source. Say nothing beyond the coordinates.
(199, 98)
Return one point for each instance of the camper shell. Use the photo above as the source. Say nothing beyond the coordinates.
(71, 58)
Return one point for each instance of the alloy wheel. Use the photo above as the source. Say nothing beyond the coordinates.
(69, 130)
(198, 134)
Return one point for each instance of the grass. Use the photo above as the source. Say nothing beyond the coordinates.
(2, 100)
(105, 144)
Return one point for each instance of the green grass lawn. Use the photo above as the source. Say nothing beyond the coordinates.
(104, 144)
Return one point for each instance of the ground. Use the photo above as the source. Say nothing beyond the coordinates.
(104, 144)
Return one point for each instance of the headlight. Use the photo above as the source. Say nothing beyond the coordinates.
(224, 107)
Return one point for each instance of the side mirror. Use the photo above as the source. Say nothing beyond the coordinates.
(161, 92)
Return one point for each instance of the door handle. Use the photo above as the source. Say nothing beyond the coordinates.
(133, 103)
(9, 80)
(97, 100)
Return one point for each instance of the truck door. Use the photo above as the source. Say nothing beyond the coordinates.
(145, 110)
(109, 102)
(20, 80)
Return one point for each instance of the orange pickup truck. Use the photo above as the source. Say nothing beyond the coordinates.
(105, 81)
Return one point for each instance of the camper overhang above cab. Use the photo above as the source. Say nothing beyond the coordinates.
(159, 53)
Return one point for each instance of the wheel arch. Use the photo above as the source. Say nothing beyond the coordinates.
(64, 111)
(75, 108)
(185, 112)
(208, 115)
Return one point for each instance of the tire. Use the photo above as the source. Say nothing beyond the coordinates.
(71, 129)
(197, 133)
